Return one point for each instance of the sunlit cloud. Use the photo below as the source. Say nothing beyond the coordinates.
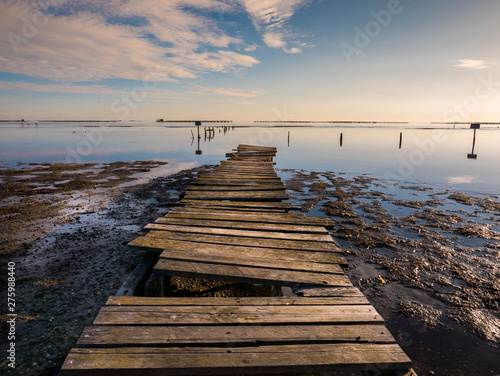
(231, 92)
(270, 18)
(473, 64)
(251, 48)
(84, 45)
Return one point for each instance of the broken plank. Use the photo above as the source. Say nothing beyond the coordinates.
(245, 274)
(284, 255)
(249, 261)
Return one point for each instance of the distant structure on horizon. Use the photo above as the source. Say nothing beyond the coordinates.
(328, 122)
(194, 121)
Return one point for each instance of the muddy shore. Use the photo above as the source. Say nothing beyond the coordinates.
(428, 259)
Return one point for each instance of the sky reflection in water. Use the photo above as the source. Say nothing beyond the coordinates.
(435, 156)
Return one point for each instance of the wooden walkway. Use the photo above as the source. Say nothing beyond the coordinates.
(234, 226)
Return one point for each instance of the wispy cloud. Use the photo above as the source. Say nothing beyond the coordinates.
(473, 64)
(89, 42)
(58, 88)
(231, 92)
(270, 18)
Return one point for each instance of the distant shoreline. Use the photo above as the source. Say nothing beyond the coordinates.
(235, 123)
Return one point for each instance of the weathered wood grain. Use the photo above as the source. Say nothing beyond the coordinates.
(288, 218)
(245, 274)
(328, 292)
(236, 301)
(284, 255)
(224, 315)
(144, 335)
(237, 360)
(243, 196)
(230, 188)
(249, 260)
(249, 241)
(240, 233)
(230, 224)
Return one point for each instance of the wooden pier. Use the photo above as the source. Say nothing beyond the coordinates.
(234, 226)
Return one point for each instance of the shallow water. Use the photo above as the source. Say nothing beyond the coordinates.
(436, 154)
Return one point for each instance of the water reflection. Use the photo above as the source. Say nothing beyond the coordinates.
(429, 154)
(210, 135)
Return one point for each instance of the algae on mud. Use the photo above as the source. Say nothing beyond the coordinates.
(67, 270)
(421, 252)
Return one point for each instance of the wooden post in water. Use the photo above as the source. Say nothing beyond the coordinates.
(288, 138)
(400, 139)
(474, 126)
(198, 125)
(341, 136)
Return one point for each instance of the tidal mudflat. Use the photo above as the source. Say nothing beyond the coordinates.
(427, 258)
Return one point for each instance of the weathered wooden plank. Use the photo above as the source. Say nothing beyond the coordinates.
(240, 233)
(225, 188)
(284, 255)
(236, 177)
(243, 204)
(245, 274)
(134, 284)
(236, 259)
(288, 218)
(238, 209)
(246, 196)
(251, 166)
(231, 315)
(252, 171)
(237, 360)
(242, 172)
(251, 242)
(192, 208)
(328, 292)
(256, 147)
(230, 224)
(234, 183)
(121, 335)
(235, 301)
(245, 161)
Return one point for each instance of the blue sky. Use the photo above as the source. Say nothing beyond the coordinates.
(391, 60)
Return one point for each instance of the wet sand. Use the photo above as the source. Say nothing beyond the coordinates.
(426, 258)
(68, 241)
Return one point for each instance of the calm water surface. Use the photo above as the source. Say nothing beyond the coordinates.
(435, 154)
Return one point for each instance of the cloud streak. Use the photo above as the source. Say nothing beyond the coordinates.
(92, 45)
(270, 18)
(473, 64)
